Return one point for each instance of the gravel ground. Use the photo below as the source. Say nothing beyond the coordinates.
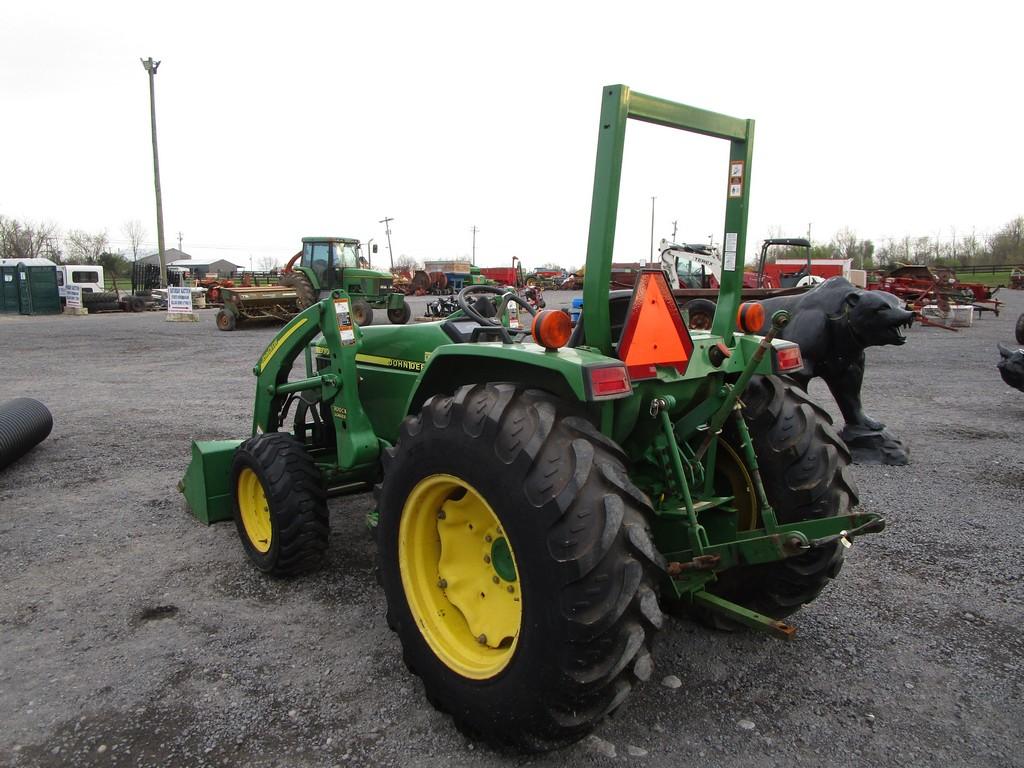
(131, 634)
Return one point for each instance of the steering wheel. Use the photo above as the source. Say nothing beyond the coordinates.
(507, 297)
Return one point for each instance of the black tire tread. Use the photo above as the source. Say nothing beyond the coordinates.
(362, 312)
(226, 321)
(805, 469)
(400, 316)
(1019, 329)
(297, 500)
(306, 294)
(594, 524)
(89, 298)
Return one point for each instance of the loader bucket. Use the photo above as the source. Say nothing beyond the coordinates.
(206, 483)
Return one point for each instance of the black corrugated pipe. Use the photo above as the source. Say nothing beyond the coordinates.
(24, 423)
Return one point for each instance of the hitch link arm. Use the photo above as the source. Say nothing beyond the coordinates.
(844, 537)
(732, 394)
(659, 409)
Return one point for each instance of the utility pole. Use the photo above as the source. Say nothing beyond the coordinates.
(386, 221)
(475, 230)
(179, 242)
(675, 226)
(150, 66)
(651, 252)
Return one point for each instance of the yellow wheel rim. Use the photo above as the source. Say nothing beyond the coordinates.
(252, 503)
(460, 577)
(730, 470)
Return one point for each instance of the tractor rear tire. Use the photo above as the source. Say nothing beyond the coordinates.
(279, 504)
(401, 315)
(1019, 330)
(306, 295)
(571, 616)
(226, 321)
(805, 469)
(701, 314)
(362, 313)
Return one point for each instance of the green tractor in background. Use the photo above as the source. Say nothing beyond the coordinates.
(543, 493)
(326, 263)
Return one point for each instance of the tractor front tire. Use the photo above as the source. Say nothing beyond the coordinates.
(362, 313)
(226, 320)
(400, 315)
(279, 504)
(306, 295)
(805, 469)
(1019, 330)
(517, 564)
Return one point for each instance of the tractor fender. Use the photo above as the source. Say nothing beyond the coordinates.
(562, 373)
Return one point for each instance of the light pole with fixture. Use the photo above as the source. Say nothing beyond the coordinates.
(386, 221)
(150, 66)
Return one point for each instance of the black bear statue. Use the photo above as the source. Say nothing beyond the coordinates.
(834, 323)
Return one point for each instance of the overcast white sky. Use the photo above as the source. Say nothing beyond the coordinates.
(278, 120)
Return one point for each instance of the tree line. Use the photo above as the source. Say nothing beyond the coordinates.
(22, 239)
(1004, 247)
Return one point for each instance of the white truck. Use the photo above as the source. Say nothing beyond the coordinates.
(88, 277)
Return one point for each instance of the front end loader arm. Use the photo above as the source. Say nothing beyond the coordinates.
(337, 384)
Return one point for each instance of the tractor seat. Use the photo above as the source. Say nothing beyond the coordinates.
(618, 306)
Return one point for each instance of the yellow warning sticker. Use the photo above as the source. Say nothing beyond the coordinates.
(277, 343)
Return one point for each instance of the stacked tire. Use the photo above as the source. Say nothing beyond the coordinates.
(107, 301)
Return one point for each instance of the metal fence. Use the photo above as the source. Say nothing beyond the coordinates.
(984, 269)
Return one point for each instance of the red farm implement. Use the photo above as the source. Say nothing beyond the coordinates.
(922, 287)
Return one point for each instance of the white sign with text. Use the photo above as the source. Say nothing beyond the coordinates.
(179, 299)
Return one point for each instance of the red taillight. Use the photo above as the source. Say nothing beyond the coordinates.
(788, 358)
(608, 381)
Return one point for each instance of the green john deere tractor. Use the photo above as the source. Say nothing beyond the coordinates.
(544, 493)
(326, 263)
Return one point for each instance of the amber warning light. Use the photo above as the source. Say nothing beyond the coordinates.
(551, 329)
(654, 333)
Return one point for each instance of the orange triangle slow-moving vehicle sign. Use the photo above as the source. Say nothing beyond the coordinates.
(654, 333)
